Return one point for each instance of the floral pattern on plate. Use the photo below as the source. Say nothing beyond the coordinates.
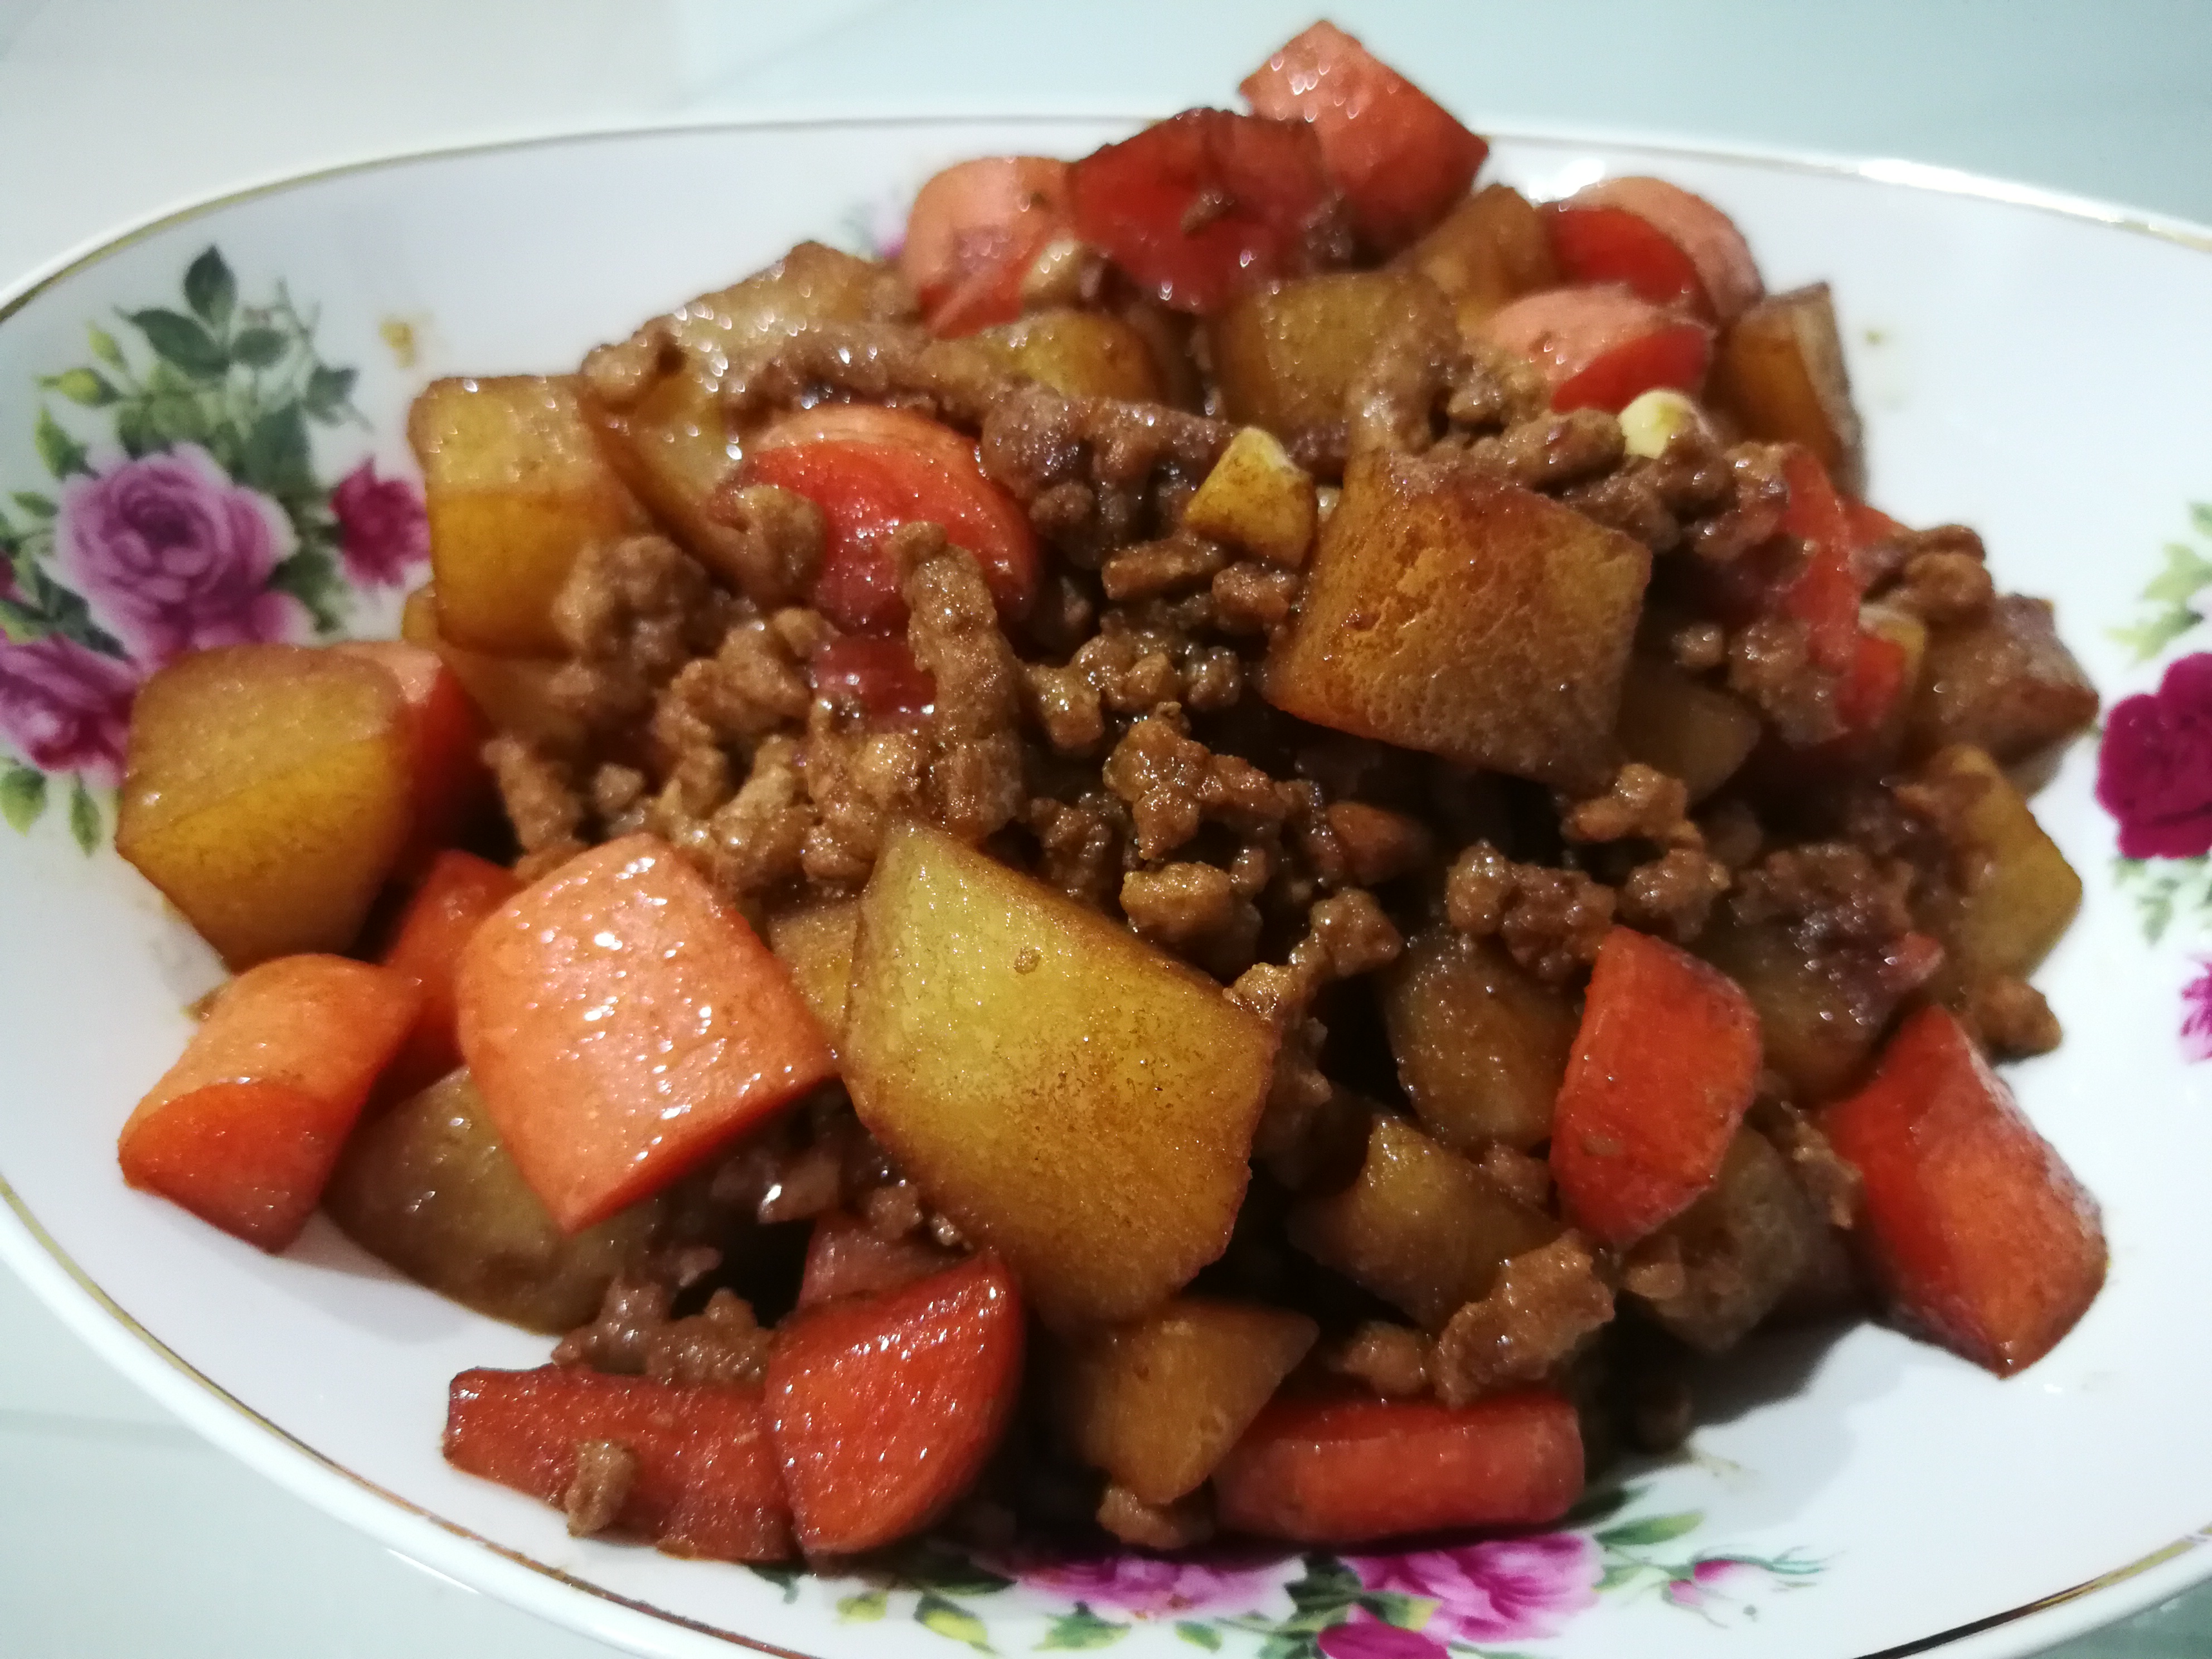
(184, 510)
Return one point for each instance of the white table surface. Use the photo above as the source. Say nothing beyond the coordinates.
(120, 1533)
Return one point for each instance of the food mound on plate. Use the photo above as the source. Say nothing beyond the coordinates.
(1231, 850)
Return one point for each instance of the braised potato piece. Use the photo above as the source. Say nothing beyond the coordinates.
(1481, 1045)
(2006, 684)
(1285, 356)
(1491, 249)
(1075, 1099)
(1819, 1018)
(1159, 1403)
(1256, 498)
(1420, 1227)
(661, 422)
(516, 487)
(428, 1187)
(1448, 611)
(1780, 371)
(267, 791)
(1082, 353)
(2013, 892)
(1743, 1245)
(514, 694)
(1675, 722)
(814, 941)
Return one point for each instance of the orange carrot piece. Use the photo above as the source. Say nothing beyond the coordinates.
(845, 1257)
(706, 1483)
(244, 1129)
(1352, 1470)
(457, 892)
(1979, 1231)
(452, 787)
(622, 1022)
(1663, 1066)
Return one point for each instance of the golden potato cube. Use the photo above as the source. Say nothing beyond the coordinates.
(1744, 1244)
(429, 1186)
(1674, 721)
(1450, 611)
(2005, 683)
(1819, 1017)
(1487, 252)
(1157, 1404)
(812, 283)
(514, 694)
(1073, 1098)
(2012, 893)
(1419, 1226)
(516, 487)
(1256, 498)
(1286, 357)
(267, 790)
(1081, 353)
(1480, 1044)
(814, 941)
(1780, 371)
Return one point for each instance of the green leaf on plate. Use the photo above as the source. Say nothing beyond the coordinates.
(38, 505)
(257, 347)
(275, 458)
(1199, 1636)
(1406, 1612)
(22, 796)
(1072, 1632)
(865, 1608)
(2187, 571)
(1594, 1505)
(930, 1567)
(2200, 514)
(84, 817)
(104, 347)
(62, 453)
(82, 385)
(327, 392)
(1652, 1529)
(2147, 639)
(179, 340)
(210, 288)
(951, 1621)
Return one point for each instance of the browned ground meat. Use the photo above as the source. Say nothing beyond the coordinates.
(1391, 1360)
(1551, 920)
(606, 1471)
(2012, 1018)
(1545, 1303)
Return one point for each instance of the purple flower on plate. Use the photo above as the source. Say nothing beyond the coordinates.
(2155, 767)
(383, 531)
(1141, 1583)
(172, 556)
(66, 709)
(1705, 1589)
(1506, 1590)
(2197, 1015)
(1369, 1638)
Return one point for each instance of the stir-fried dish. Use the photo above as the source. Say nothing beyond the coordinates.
(1232, 848)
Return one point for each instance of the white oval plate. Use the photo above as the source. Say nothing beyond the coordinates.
(2034, 368)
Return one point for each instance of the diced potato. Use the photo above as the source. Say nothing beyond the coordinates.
(1073, 1098)
(1256, 498)
(1491, 250)
(1780, 371)
(516, 487)
(1743, 1245)
(268, 790)
(429, 1186)
(2012, 892)
(1157, 1404)
(1882, 747)
(2006, 684)
(1481, 1045)
(1285, 357)
(1081, 353)
(667, 434)
(1674, 721)
(814, 941)
(514, 694)
(1820, 1018)
(1449, 612)
(1420, 1227)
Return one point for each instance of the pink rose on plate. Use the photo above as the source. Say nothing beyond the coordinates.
(1367, 1639)
(383, 529)
(172, 556)
(2197, 1015)
(66, 709)
(1718, 1588)
(2155, 767)
(1506, 1590)
(1147, 1584)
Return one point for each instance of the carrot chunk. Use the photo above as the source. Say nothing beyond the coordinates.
(1663, 1066)
(705, 1482)
(245, 1128)
(457, 892)
(451, 785)
(622, 1022)
(1348, 1471)
(1979, 1233)
(887, 1407)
